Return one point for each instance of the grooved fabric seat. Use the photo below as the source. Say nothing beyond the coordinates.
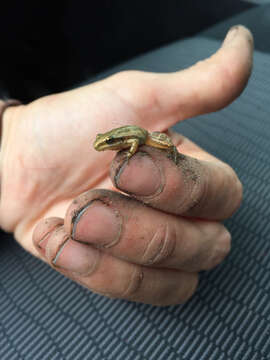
(43, 315)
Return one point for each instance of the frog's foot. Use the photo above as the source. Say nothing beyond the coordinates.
(174, 153)
(128, 156)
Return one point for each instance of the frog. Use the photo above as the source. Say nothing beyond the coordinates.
(131, 137)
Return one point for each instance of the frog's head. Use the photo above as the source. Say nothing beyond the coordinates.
(107, 142)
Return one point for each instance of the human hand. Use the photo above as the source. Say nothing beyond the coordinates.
(110, 242)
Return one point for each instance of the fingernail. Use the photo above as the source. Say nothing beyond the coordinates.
(76, 257)
(98, 224)
(230, 35)
(139, 176)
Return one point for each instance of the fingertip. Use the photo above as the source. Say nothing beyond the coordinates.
(140, 176)
(238, 45)
(194, 282)
(237, 31)
(210, 84)
(238, 193)
(186, 289)
(228, 70)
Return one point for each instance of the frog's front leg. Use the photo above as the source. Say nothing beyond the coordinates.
(134, 144)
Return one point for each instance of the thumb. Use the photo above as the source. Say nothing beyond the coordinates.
(211, 84)
(207, 86)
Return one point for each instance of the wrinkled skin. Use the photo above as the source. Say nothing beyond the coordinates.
(110, 242)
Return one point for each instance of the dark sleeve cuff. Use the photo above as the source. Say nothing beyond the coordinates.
(6, 103)
(3, 105)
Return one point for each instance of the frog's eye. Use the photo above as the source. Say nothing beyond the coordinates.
(109, 141)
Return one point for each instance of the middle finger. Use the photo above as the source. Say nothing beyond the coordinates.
(127, 229)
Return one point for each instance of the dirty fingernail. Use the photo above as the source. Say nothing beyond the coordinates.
(139, 176)
(231, 34)
(98, 224)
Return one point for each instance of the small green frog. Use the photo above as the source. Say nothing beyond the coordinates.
(131, 137)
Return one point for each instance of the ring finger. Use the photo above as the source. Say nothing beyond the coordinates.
(106, 274)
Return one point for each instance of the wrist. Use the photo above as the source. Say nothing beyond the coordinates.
(11, 121)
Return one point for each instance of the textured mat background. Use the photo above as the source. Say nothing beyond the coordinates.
(46, 316)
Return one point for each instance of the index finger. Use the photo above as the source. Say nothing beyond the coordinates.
(202, 187)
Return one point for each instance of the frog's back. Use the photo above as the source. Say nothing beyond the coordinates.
(131, 131)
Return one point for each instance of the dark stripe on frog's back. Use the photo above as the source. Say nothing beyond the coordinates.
(135, 132)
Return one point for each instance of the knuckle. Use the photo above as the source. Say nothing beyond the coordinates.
(135, 283)
(180, 294)
(225, 73)
(198, 197)
(161, 246)
(92, 270)
(126, 75)
(220, 70)
(127, 287)
(232, 79)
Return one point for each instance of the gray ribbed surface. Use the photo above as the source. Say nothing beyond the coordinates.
(45, 316)
(258, 2)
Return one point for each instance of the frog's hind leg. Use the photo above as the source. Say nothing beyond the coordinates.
(175, 154)
(163, 141)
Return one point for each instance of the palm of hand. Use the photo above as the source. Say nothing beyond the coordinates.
(61, 162)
